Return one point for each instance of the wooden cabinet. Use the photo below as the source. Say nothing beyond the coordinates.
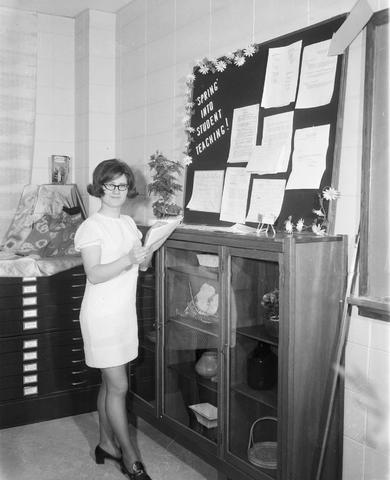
(42, 369)
(198, 352)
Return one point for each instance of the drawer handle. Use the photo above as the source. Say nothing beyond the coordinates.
(75, 320)
(79, 371)
(76, 338)
(75, 298)
(77, 349)
(78, 383)
(77, 285)
(77, 361)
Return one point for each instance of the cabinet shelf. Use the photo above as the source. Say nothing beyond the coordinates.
(208, 273)
(194, 324)
(257, 332)
(268, 397)
(188, 370)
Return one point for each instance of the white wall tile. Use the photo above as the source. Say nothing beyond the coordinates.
(353, 460)
(321, 11)
(359, 329)
(377, 465)
(133, 65)
(193, 41)
(159, 117)
(226, 33)
(56, 24)
(135, 95)
(102, 20)
(132, 123)
(102, 71)
(102, 42)
(188, 11)
(160, 19)
(160, 53)
(354, 417)
(380, 336)
(102, 126)
(130, 12)
(102, 99)
(160, 85)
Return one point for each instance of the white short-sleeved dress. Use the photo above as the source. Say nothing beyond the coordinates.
(108, 316)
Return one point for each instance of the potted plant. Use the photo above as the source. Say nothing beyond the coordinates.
(164, 185)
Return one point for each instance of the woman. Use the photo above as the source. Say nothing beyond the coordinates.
(111, 249)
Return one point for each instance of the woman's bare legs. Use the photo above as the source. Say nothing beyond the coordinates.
(107, 438)
(115, 417)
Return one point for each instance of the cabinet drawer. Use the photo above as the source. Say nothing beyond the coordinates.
(42, 352)
(39, 319)
(43, 383)
(64, 296)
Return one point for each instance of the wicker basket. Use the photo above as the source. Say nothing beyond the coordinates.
(262, 454)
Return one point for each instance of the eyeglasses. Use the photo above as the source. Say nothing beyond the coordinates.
(111, 186)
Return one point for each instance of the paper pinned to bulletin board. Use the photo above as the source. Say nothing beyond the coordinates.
(249, 119)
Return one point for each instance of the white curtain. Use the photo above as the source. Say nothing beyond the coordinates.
(18, 69)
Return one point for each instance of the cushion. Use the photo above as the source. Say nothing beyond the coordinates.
(52, 236)
(62, 239)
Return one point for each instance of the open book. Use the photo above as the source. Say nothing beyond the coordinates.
(159, 233)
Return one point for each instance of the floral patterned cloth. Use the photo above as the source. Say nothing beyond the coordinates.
(42, 231)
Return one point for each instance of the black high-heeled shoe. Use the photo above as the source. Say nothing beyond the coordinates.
(101, 455)
(138, 471)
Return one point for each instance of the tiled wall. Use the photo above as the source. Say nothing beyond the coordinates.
(95, 95)
(54, 134)
(158, 42)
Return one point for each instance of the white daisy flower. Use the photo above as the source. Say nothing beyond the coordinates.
(249, 51)
(220, 66)
(330, 193)
(190, 129)
(318, 230)
(300, 225)
(239, 60)
(204, 69)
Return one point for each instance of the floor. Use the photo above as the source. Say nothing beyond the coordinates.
(63, 450)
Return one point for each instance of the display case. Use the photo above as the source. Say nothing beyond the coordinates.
(246, 332)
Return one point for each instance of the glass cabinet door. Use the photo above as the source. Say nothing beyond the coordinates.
(142, 377)
(252, 422)
(191, 338)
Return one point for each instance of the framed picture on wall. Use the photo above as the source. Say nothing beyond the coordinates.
(59, 169)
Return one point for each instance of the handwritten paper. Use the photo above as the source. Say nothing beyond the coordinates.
(207, 191)
(318, 73)
(309, 157)
(280, 85)
(266, 200)
(235, 194)
(244, 133)
(273, 154)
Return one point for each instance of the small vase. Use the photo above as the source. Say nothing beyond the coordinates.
(271, 325)
(207, 365)
(262, 368)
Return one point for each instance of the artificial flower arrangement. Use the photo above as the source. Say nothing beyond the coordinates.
(270, 302)
(321, 222)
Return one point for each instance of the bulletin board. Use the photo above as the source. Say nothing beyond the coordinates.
(218, 97)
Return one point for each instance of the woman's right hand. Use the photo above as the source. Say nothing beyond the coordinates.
(138, 254)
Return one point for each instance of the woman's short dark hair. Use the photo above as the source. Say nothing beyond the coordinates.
(108, 170)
